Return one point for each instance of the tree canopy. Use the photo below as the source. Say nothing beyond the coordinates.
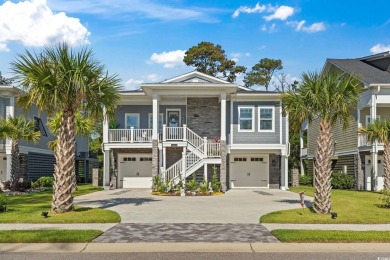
(5, 81)
(262, 72)
(211, 60)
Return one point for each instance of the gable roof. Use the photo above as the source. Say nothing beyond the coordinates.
(368, 74)
(196, 77)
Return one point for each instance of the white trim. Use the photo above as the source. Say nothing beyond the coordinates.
(239, 119)
(200, 74)
(231, 121)
(258, 146)
(281, 123)
(172, 110)
(126, 114)
(369, 117)
(273, 119)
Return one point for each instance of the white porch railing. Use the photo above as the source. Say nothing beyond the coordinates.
(130, 135)
(213, 149)
(364, 142)
(173, 133)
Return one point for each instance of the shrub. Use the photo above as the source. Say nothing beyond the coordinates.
(215, 183)
(3, 202)
(6, 185)
(385, 198)
(306, 180)
(342, 181)
(158, 184)
(45, 181)
(203, 186)
(192, 184)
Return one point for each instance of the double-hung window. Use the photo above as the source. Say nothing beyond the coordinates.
(132, 120)
(246, 117)
(266, 119)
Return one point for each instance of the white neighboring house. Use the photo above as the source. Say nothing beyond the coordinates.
(188, 124)
(37, 159)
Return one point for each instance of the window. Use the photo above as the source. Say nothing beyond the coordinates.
(132, 120)
(129, 159)
(240, 159)
(368, 119)
(256, 159)
(245, 117)
(160, 121)
(266, 119)
(145, 159)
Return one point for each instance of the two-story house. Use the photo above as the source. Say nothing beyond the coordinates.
(37, 159)
(353, 154)
(193, 123)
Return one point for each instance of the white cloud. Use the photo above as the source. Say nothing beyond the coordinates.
(153, 77)
(170, 59)
(235, 56)
(33, 23)
(133, 84)
(120, 9)
(281, 13)
(300, 26)
(272, 28)
(264, 28)
(380, 48)
(245, 9)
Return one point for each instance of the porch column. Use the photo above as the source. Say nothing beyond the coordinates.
(106, 169)
(205, 171)
(374, 148)
(155, 136)
(105, 126)
(10, 111)
(284, 172)
(223, 170)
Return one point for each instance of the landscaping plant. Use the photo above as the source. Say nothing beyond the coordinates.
(43, 182)
(342, 181)
(192, 185)
(203, 186)
(3, 202)
(305, 180)
(385, 198)
(215, 183)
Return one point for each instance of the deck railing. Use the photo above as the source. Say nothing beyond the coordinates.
(130, 135)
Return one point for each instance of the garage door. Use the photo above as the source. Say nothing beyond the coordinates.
(249, 171)
(135, 170)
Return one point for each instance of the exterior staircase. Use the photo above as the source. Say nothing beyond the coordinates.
(198, 151)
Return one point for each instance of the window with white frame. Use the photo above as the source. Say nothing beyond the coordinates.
(246, 117)
(160, 121)
(132, 120)
(266, 119)
(368, 119)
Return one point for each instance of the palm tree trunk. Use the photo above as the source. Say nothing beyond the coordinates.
(323, 169)
(15, 164)
(386, 166)
(64, 170)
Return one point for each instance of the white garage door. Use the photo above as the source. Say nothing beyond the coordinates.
(135, 170)
(249, 170)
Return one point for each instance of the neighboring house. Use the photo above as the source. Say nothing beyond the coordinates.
(352, 153)
(193, 122)
(37, 159)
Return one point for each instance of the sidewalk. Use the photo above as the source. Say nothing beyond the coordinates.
(100, 226)
(352, 227)
(195, 247)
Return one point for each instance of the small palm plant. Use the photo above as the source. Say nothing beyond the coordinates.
(379, 131)
(16, 129)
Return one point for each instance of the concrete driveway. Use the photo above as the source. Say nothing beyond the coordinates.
(235, 206)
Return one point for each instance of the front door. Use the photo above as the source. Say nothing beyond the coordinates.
(173, 118)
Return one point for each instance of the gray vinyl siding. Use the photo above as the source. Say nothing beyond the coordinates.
(383, 112)
(337, 165)
(345, 139)
(284, 130)
(144, 111)
(44, 140)
(256, 137)
(3, 103)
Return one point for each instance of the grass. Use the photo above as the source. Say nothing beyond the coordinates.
(331, 236)
(352, 206)
(48, 236)
(27, 209)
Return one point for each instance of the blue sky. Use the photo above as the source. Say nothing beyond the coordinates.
(145, 40)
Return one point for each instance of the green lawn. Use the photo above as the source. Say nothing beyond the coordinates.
(351, 207)
(330, 236)
(28, 208)
(48, 236)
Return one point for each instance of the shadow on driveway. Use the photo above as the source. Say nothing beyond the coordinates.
(105, 203)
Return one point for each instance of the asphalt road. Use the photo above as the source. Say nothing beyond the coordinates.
(194, 256)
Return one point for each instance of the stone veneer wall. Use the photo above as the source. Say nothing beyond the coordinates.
(274, 172)
(223, 176)
(155, 158)
(204, 116)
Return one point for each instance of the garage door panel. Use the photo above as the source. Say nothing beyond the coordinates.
(135, 170)
(249, 171)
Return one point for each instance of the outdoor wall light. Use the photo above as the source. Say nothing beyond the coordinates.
(273, 163)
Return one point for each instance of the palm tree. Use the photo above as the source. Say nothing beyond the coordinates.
(379, 131)
(60, 79)
(329, 97)
(16, 129)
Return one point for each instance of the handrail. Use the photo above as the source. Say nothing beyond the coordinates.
(130, 135)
